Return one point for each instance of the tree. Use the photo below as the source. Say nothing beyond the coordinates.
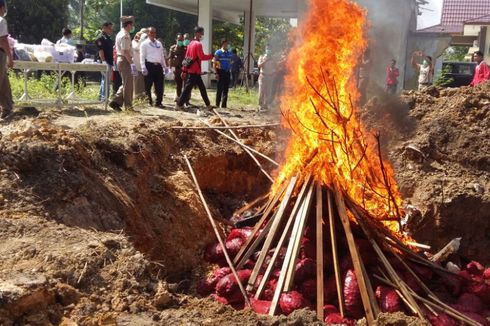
(31, 21)
(456, 53)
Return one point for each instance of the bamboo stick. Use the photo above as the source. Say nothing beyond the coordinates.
(246, 150)
(304, 217)
(370, 318)
(276, 222)
(287, 260)
(215, 228)
(280, 243)
(271, 125)
(243, 145)
(319, 254)
(257, 227)
(336, 264)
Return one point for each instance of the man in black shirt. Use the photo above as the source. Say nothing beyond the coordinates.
(105, 45)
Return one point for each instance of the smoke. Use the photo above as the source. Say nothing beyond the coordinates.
(390, 24)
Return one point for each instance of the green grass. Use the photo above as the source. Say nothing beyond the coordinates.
(44, 88)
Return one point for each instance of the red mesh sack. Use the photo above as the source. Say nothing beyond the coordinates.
(305, 269)
(233, 246)
(308, 289)
(337, 319)
(291, 301)
(260, 306)
(475, 268)
(330, 289)
(388, 299)
(470, 302)
(442, 320)
(330, 309)
(270, 289)
(228, 287)
(243, 234)
(352, 296)
(207, 286)
(214, 254)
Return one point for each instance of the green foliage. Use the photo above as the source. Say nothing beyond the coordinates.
(32, 20)
(273, 32)
(232, 32)
(443, 79)
(456, 53)
(44, 87)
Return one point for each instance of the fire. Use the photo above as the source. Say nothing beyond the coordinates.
(320, 107)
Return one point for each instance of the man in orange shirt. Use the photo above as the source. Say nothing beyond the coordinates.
(482, 71)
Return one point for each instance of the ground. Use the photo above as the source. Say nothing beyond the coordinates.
(100, 223)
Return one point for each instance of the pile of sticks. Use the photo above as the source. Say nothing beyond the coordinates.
(303, 202)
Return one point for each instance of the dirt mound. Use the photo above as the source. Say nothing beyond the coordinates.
(438, 141)
(93, 219)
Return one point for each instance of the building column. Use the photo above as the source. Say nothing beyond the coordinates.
(249, 38)
(205, 19)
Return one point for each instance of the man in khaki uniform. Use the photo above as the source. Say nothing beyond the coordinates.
(6, 102)
(125, 65)
(267, 68)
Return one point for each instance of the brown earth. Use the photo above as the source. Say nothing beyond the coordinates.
(100, 223)
(438, 141)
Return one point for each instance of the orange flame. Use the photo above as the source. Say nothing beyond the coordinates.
(320, 107)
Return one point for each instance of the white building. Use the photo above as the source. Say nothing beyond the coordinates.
(393, 22)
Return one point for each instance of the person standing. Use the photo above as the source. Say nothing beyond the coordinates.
(266, 79)
(139, 79)
(66, 38)
(105, 46)
(364, 74)
(193, 57)
(125, 65)
(222, 58)
(392, 74)
(482, 71)
(425, 69)
(177, 55)
(236, 67)
(6, 61)
(154, 66)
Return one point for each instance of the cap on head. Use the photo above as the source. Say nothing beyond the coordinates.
(127, 20)
(479, 53)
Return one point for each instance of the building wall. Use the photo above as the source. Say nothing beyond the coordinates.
(391, 24)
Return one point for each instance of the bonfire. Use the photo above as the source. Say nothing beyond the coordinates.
(329, 235)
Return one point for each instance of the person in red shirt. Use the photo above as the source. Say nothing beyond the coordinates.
(392, 74)
(482, 71)
(192, 74)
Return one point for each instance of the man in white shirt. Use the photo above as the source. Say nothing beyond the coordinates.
(6, 61)
(125, 66)
(153, 65)
(67, 37)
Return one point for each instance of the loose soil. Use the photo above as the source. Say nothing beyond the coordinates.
(438, 141)
(100, 223)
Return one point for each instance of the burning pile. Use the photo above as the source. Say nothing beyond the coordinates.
(329, 235)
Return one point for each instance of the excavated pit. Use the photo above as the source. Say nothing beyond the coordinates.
(109, 211)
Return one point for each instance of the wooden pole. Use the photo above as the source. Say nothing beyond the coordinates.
(257, 227)
(272, 125)
(370, 318)
(243, 145)
(287, 259)
(319, 254)
(280, 243)
(261, 168)
(276, 222)
(336, 263)
(297, 240)
(215, 228)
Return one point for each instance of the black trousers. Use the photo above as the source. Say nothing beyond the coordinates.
(223, 87)
(179, 82)
(193, 80)
(235, 78)
(155, 77)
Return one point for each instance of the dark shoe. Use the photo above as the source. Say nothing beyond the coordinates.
(115, 106)
(6, 116)
(160, 106)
